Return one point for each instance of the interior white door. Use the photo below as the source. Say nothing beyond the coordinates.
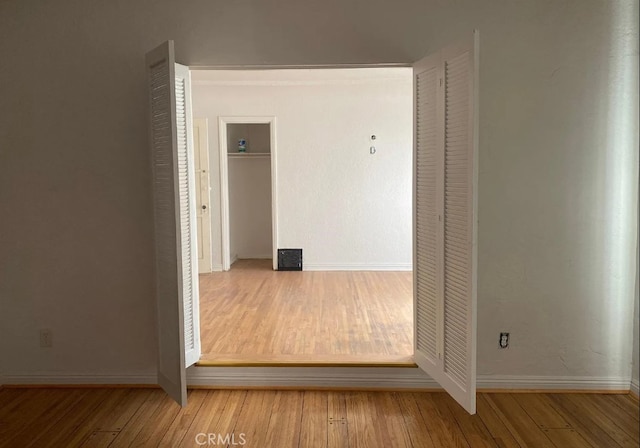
(445, 218)
(176, 286)
(203, 194)
(186, 186)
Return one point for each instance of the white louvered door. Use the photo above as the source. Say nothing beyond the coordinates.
(445, 218)
(188, 215)
(176, 285)
(427, 193)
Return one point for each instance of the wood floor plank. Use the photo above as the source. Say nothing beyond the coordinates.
(521, 426)
(12, 398)
(338, 429)
(254, 417)
(600, 416)
(360, 421)
(443, 428)
(414, 422)
(286, 420)
(206, 420)
(567, 438)
(168, 411)
(115, 418)
(390, 420)
(180, 425)
(492, 421)
(288, 314)
(229, 418)
(541, 411)
(67, 426)
(609, 408)
(21, 412)
(68, 418)
(99, 439)
(472, 426)
(506, 442)
(630, 407)
(582, 421)
(91, 424)
(141, 419)
(315, 419)
(48, 410)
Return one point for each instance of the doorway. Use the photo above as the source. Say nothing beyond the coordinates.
(344, 161)
(248, 194)
(444, 217)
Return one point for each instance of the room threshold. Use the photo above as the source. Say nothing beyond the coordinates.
(306, 361)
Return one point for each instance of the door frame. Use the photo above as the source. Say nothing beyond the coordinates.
(224, 184)
(291, 373)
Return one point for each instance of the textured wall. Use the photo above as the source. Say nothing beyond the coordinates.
(343, 206)
(250, 234)
(558, 164)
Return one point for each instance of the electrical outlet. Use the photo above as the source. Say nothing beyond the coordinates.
(46, 338)
(503, 342)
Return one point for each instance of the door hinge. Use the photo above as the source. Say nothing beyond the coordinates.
(441, 82)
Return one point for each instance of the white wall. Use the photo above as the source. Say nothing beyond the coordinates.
(346, 208)
(250, 230)
(558, 184)
(558, 165)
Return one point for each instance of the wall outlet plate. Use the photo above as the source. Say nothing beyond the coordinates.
(46, 338)
(503, 342)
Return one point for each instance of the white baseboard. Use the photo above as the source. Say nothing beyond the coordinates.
(552, 382)
(330, 266)
(634, 387)
(383, 378)
(357, 267)
(328, 377)
(79, 379)
(311, 377)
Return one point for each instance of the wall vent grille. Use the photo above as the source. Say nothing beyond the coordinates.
(290, 259)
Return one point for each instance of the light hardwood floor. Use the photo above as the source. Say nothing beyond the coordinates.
(306, 419)
(254, 313)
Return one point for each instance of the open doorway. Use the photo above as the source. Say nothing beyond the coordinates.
(344, 195)
(444, 211)
(247, 167)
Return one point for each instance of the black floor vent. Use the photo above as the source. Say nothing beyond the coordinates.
(289, 259)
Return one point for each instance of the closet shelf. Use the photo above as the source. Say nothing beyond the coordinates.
(249, 155)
